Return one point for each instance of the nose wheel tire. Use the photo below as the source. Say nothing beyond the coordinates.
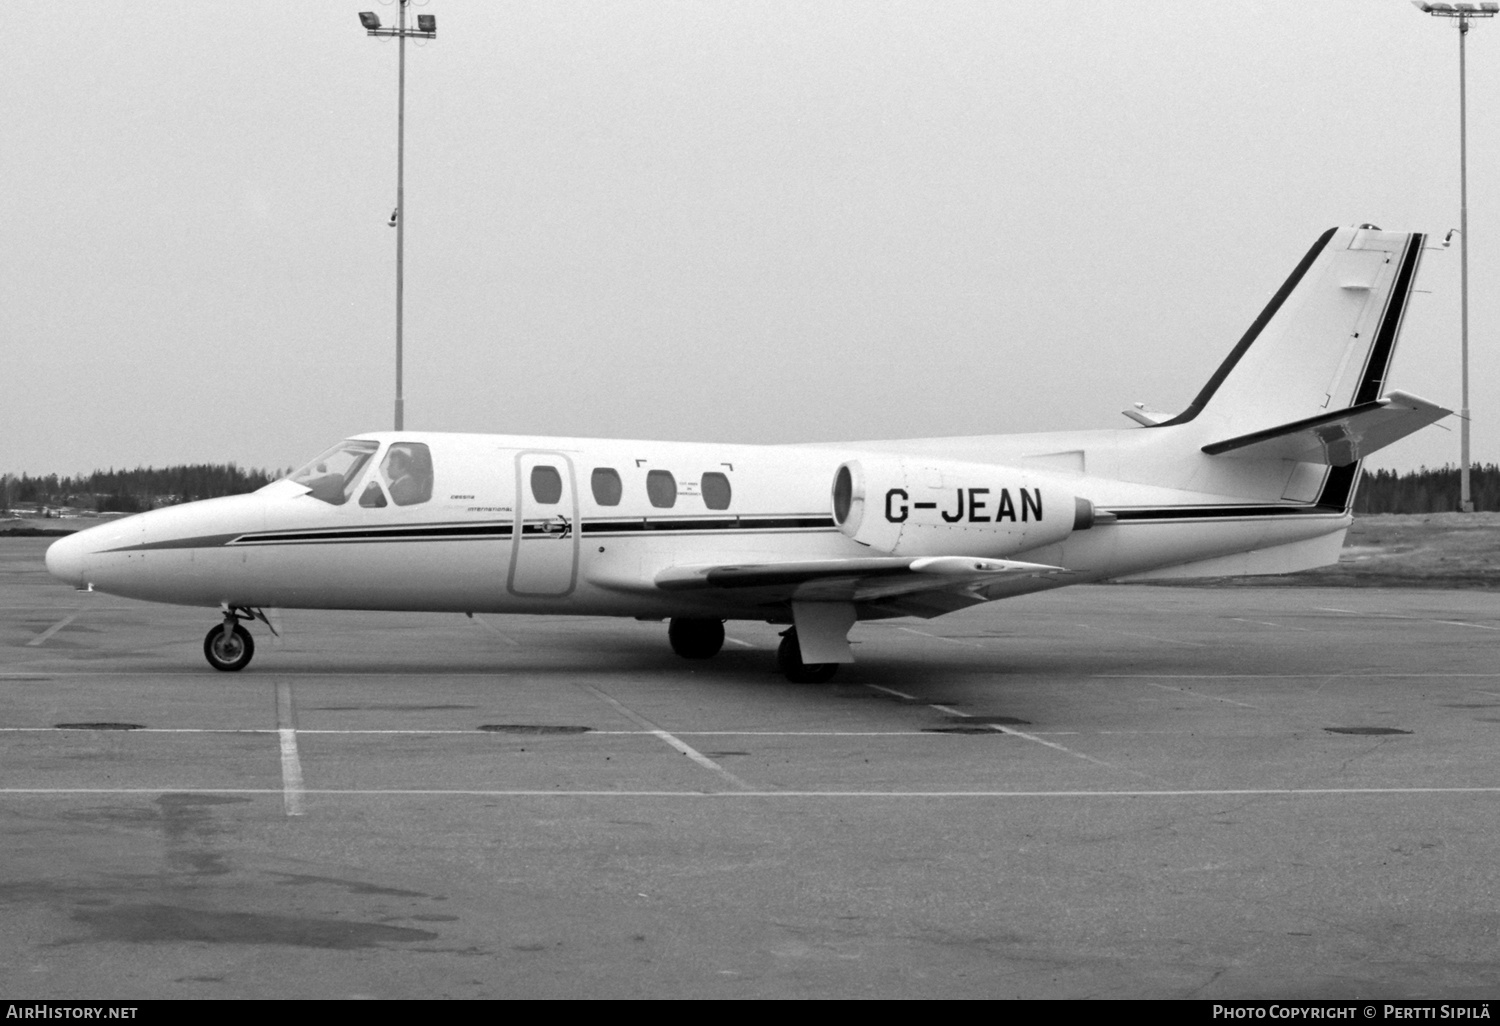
(228, 654)
(789, 662)
(696, 639)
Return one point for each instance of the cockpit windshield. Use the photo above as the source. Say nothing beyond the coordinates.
(332, 475)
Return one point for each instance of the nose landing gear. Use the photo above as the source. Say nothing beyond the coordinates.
(229, 647)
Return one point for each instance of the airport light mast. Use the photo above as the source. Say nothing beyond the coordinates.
(426, 29)
(1462, 14)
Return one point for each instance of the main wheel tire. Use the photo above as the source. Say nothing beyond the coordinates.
(789, 662)
(696, 639)
(228, 655)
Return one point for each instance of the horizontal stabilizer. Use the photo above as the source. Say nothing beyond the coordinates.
(1339, 438)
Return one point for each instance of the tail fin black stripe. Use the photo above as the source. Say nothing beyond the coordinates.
(1379, 361)
(1338, 487)
(1197, 405)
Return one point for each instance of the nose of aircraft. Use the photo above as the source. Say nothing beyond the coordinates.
(67, 559)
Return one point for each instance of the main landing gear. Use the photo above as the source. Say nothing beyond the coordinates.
(789, 662)
(696, 639)
(229, 647)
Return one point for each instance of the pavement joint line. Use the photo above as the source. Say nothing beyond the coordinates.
(503, 636)
(291, 765)
(1188, 691)
(670, 739)
(59, 625)
(1288, 792)
(1137, 634)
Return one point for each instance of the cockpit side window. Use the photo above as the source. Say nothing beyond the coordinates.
(407, 469)
(332, 475)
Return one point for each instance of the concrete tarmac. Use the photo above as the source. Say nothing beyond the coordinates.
(1107, 791)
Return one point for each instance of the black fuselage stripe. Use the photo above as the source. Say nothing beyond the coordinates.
(444, 532)
(380, 534)
(1222, 512)
(726, 524)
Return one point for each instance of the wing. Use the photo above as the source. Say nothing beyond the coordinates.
(900, 585)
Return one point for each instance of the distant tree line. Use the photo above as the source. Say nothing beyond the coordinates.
(131, 491)
(1426, 490)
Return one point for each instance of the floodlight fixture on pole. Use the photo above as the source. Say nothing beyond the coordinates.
(426, 29)
(1462, 14)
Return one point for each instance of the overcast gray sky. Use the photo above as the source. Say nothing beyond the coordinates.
(744, 221)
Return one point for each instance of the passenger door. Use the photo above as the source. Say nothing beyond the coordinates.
(544, 556)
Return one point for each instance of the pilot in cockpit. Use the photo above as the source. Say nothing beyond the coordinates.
(408, 473)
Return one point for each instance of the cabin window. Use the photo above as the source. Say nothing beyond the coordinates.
(605, 482)
(332, 475)
(661, 489)
(546, 485)
(716, 491)
(407, 469)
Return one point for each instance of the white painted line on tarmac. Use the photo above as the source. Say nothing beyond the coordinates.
(1251, 792)
(1419, 619)
(59, 625)
(737, 641)
(1195, 694)
(996, 726)
(1268, 623)
(291, 765)
(939, 637)
(1269, 676)
(893, 691)
(673, 741)
(473, 732)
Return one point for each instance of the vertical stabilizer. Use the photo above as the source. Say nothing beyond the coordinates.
(1324, 342)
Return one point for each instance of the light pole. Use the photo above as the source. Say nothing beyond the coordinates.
(1463, 14)
(426, 29)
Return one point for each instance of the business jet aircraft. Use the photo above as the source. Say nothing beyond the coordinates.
(1257, 475)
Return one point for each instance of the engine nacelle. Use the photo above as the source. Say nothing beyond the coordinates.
(907, 506)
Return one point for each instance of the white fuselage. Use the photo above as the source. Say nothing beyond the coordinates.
(485, 542)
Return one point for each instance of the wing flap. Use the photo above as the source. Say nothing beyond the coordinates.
(1339, 438)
